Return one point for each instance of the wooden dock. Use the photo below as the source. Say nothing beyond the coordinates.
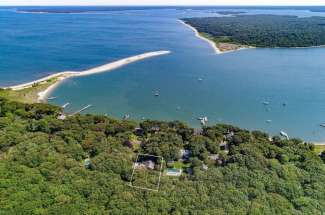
(65, 105)
(82, 109)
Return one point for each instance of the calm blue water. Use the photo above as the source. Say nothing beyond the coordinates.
(232, 91)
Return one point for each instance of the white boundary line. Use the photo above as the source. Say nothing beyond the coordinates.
(160, 171)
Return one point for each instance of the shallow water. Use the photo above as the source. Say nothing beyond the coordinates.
(233, 88)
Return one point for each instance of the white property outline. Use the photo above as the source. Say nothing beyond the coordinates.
(160, 171)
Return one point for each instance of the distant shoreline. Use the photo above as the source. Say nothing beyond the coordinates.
(219, 51)
(57, 78)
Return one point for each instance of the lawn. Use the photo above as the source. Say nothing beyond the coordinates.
(181, 165)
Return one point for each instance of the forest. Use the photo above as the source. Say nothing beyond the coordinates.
(82, 165)
(263, 30)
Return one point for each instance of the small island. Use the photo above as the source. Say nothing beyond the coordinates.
(264, 31)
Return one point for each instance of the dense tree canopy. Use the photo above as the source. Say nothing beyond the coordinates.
(263, 30)
(43, 168)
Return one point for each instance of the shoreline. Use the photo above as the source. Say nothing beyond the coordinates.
(197, 34)
(210, 42)
(218, 51)
(42, 95)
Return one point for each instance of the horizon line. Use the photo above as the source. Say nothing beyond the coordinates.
(248, 5)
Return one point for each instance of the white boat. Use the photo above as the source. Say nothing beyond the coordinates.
(203, 120)
(266, 103)
(200, 79)
(284, 134)
(268, 121)
(156, 93)
(51, 98)
(126, 116)
(322, 125)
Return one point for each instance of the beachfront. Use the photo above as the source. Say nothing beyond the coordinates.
(57, 78)
(220, 48)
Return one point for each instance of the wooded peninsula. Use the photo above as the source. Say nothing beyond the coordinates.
(266, 31)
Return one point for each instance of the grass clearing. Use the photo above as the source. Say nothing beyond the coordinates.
(319, 148)
(27, 95)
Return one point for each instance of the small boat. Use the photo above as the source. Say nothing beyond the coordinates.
(200, 79)
(51, 98)
(284, 104)
(203, 120)
(156, 93)
(266, 103)
(322, 125)
(268, 121)
(126, 117)
(284, 134)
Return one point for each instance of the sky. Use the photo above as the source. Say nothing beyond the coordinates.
(161, 2)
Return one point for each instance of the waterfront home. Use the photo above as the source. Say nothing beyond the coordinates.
(174, 172)
(229, 135)
(62, 117)
(132, 144)
(216, 158)
(224, 146)
(149, 164)
(138, 131)
(213, 157)
(155, 128)
(204, 167)
(185, 154)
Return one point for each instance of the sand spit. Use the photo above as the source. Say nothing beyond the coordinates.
(68, 74)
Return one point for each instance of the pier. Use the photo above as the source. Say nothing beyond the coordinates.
(65, 105)
(82, 109)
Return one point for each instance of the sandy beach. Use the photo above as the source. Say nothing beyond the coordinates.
(68, 74)
(211, 43)
(197, 34)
